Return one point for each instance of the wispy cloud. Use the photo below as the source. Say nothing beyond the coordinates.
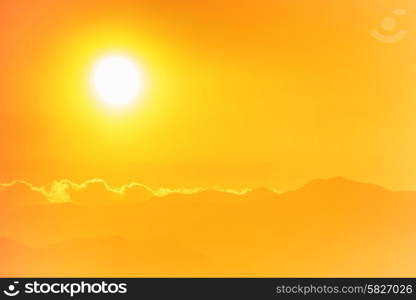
(65, 190)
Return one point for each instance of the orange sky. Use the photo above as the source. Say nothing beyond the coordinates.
(239, 93)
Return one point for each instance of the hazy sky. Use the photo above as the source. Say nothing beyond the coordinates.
(238, 93)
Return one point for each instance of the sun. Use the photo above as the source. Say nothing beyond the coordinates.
(117, 80)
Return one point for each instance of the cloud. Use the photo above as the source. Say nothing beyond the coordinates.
(20, 193)
(91, 191)
(63, 191)
(58, 192)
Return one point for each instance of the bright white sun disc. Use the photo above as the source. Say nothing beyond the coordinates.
(117, 80)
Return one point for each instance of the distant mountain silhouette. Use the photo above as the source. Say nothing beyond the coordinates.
(333, 227)
(100, 257)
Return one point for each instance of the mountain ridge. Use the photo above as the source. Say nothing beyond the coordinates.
(332, 227)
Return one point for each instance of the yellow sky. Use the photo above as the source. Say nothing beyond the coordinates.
(239, 93)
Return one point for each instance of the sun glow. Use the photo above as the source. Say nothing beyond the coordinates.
(117, 80)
